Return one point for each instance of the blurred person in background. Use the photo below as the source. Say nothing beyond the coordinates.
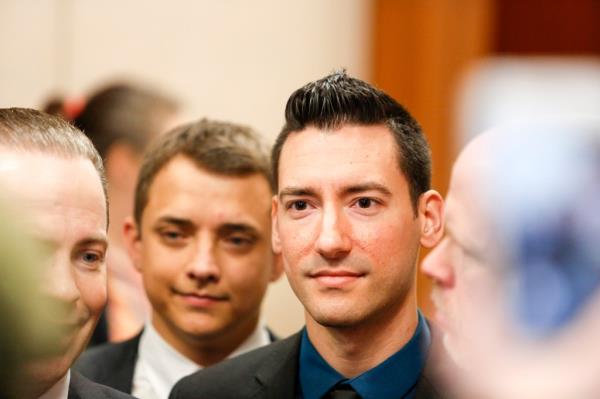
(121, 119)
(55, 175)
(201, 238)
(517, 276)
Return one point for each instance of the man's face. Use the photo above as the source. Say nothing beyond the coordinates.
(461, 266)
(345, 226)
(65, 208)
(204, 250)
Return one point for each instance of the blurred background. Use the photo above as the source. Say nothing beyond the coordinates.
(452, 63)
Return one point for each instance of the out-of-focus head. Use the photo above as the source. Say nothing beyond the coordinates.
(461, 264)
(517, 276)
(55, 175)
(353, 206)
(125, 114)
(201, 233)
(120, 120)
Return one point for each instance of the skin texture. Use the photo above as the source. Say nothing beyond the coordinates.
(65, 210)
(349, 239)
(205, 255)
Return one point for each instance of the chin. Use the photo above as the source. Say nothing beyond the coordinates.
(48, 371)
(336, 319)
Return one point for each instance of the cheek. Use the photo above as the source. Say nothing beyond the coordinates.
(93, 292)
(160, 263)
(297, 239)
(385, 242)
(246, 279)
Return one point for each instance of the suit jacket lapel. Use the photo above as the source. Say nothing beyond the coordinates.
(276, 378)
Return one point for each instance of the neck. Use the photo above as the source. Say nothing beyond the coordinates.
(206, 350)
(352, 350)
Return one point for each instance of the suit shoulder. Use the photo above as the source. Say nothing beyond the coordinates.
(103, 362)
(81, 387)
(225, 379)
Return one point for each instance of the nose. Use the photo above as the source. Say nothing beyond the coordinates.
(60, 283)
(203, 266)
(334, 240)
(437, 265)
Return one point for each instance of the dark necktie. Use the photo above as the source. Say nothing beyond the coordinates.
(343, 391)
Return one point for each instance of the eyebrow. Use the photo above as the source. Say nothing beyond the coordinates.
(353, 189)
(470, 248)
(368, 186)
(297, 191)
(180, 222)
(93, 241)
(238, 228)
(223, 229)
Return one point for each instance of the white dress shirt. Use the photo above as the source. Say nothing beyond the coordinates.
(60, 390)
(159, 366)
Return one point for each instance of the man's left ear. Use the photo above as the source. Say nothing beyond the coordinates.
(431, 215)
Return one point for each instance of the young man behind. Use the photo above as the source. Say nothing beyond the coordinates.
(201, 237)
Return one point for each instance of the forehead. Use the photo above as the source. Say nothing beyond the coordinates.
(183, 189)
(468, 207)
(351, 153)
(60, 195)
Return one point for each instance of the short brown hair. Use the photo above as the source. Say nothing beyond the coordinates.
(221, 147)
(31, 130)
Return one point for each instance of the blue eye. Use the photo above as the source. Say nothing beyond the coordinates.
(90, 257)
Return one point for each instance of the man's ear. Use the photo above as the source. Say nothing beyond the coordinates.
(133, 242)
(431, 214)
(275, 241)
(277, 270)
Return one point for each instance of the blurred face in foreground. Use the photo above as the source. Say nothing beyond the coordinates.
(64, 203)
(499, 192)
(464, 277)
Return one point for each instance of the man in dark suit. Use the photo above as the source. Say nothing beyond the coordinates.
(201, 237)
(56, 176)
(352, 208)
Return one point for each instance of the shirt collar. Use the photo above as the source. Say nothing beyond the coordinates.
(393, 378)
(60, 390)
(161, 366)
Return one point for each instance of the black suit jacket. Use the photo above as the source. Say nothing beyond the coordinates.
(82, 388)
(113, 364)
(264, 373)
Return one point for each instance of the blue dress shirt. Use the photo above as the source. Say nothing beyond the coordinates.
(394, 378)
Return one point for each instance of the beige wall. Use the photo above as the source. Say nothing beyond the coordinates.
(228, 59)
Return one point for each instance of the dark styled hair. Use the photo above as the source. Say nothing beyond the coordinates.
(221, 147)
(29, 130)
(124, 113)
(337, 100)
